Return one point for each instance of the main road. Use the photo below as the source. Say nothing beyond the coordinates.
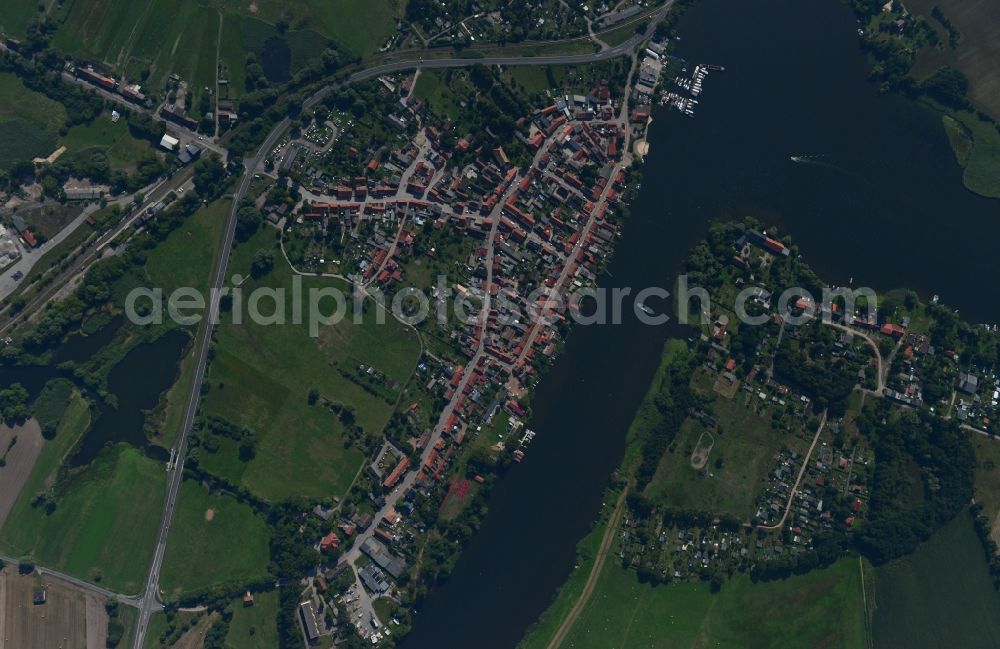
(149, 597)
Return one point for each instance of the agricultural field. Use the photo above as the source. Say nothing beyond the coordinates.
(824, 608)
(215, 540)
(261, 377)
(721, 470)
(29, 122)
(69, 618)
(104, 526)
(146, 42)
(20, 447)
(939, 596)
(977, 52)
(71, 424)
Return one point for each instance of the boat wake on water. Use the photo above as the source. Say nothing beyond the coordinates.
(825, 160)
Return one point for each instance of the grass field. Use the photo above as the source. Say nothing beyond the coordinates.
(824, 608)
(977, 53)
(215, 540)
(745, 442)
(255, 627)
(261, 377)
(104, 527)
(939, 596)
(73, 422)
(432, 90)
(98, 531)
(979, 145)
(112, 139)
(29, 122)
(185, 258)
(359, 25)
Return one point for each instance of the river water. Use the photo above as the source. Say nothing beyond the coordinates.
(883, 203)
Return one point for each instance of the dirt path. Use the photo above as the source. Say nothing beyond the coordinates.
(595, 573)
(798, 480)
(20, 461)
(881, 368)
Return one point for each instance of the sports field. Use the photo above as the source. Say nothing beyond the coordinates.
(216, 540)
(261, 376)
(824, 608)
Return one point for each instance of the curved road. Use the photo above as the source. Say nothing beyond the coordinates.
(149, 598)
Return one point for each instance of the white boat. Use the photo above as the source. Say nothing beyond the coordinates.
(645, 309)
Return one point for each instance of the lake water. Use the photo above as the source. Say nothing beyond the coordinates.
(883, 204)
(137, 381)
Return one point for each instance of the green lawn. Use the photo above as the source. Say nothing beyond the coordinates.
(29, 122)
(261, 376)
(215, 540)
(255, 627)
(104, 527)
(361, 26)
(432, 90)
(824, 608)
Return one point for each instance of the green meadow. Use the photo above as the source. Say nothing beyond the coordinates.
(824, 608)
(215, 540)
(261, 376)
(255, 627)
(29, 122)
(104, 526)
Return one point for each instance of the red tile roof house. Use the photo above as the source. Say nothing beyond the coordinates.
(330, 541)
